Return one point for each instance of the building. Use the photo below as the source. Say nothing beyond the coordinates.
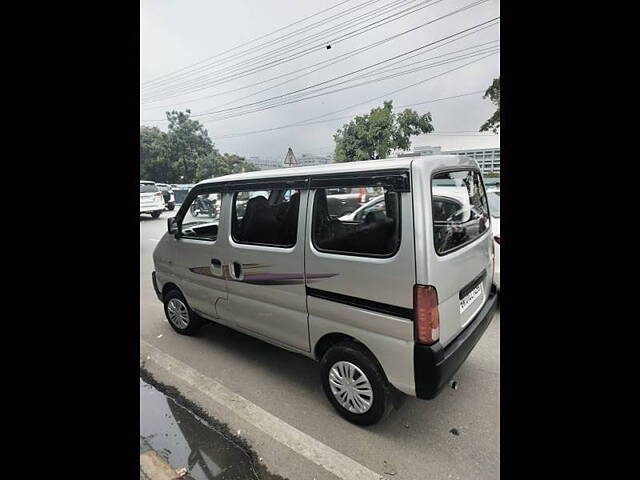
(306, 159)
(303, 160)
(488, 159)
(265, 163)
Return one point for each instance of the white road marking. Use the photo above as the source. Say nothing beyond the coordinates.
(331, 460)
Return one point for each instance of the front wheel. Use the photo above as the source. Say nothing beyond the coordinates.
(181, 318)
(156, 214)
(355, 384)
(171, 206)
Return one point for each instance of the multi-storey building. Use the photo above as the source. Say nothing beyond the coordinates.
(488, 159)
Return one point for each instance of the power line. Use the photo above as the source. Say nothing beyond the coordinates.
(393, 92)
(282, 49)
(206, 82)
(246, 43)
(259, 46)
(357, 71)
(226, 115)
(306, 123)
(326, 63)
(369, 66)
(293, 94)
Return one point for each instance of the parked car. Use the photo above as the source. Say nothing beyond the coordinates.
(392, 304)
(493, 195)
(375, 207)
(168, 195)
(344, 201)
(151, 199)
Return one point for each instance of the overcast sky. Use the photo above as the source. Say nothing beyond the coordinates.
(178, 33)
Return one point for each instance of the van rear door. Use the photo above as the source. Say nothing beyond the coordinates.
(459, 249)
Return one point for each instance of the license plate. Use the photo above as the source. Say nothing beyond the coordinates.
(470, 297)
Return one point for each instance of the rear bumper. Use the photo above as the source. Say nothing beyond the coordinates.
(155, 286)
(152, 208)
(434, 365)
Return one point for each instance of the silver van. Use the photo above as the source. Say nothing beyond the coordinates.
(394, 300)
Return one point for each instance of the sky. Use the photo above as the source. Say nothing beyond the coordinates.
(192, 36)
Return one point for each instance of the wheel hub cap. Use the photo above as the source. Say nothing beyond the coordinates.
(351, 387)
(178, 314)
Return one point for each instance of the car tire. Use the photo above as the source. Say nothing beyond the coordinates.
(171, 206)
(347, 355)
(179, 315)
(156, 214)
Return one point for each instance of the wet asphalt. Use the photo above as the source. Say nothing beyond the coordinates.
(206, 448)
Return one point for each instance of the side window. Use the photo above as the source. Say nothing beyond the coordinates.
(202, 217)
(264, 217)
(373, 229)
(459, 208)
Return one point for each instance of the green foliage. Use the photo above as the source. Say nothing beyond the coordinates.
(185, 153)
(152, 161)
(375, 134)
(493, 92)
(216, 165)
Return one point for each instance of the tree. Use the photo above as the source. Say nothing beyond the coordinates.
(187, 141)
(152, 162)
(493, 92)
(216, 165)
(375, 134)
(185, 153)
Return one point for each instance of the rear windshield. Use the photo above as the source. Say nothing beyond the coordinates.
(148, 187)
(459, 206)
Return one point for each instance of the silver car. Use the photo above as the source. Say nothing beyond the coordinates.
(390, 302)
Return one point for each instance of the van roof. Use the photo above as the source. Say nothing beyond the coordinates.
(373, 165)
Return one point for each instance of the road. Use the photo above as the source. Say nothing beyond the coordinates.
(413, 442)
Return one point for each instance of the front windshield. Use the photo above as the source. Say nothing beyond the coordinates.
(494, 204)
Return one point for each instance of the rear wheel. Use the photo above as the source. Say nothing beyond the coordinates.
(156, 214)
(181, 318)
(171, 206)
(355, 384)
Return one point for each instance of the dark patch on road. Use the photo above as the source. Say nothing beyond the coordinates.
(211, 449)
(454, 431)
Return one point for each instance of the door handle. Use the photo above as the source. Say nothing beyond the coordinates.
(236, 271)
(216, 267)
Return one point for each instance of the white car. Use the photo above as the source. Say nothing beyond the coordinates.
(151, 199)
(493, 196)
(375, 205)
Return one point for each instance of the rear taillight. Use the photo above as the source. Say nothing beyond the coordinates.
(426, 316)
(497, 239)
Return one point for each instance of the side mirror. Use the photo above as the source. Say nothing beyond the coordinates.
(172, 225)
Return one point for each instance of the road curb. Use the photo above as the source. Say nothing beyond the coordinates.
(294, 441)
